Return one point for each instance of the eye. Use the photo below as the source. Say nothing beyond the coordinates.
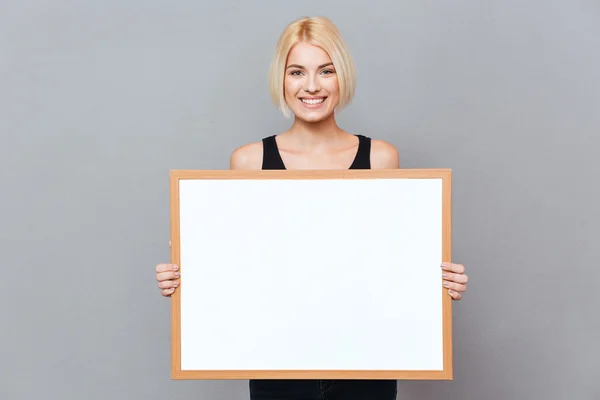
(296, 73)
(328, 71)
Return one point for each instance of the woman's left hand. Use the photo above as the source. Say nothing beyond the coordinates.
(454, 279)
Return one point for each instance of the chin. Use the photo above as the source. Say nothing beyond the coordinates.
(313, 118)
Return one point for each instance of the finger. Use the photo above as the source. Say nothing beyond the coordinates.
(168, 284)
(166, 267)
(167, 292)
(454, 295)
(459, 278)
(169, 275)
(457, 287)
(451, 267)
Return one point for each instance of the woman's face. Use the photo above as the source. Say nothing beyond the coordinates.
(311, 85)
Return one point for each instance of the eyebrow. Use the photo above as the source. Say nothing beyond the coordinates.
(300, 66)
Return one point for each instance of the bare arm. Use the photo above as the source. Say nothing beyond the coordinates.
(245, 157)
(248, 157)
(384, 155)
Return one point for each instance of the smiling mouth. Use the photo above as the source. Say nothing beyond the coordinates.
(313, 102)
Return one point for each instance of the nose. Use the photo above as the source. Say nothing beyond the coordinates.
(312, 84)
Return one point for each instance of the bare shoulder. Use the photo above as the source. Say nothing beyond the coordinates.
(248, 156)
(384, 155)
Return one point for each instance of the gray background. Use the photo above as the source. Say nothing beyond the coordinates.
(98, 100)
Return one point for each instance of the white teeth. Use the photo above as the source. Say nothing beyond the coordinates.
(312, 101)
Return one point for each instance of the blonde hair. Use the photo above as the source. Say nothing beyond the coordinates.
(321, 32)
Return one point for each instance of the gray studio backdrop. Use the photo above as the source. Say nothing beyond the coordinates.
(99, 100)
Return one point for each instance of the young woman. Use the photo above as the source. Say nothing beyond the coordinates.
(312, 76)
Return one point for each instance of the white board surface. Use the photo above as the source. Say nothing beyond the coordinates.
(311, 274)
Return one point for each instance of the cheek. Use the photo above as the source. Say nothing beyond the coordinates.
(291, 87)
(331, 85)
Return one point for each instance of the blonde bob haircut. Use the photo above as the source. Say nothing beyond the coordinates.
(321, 32)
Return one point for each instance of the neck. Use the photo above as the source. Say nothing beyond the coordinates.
(310, 134)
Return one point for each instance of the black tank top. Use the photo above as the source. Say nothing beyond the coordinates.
(272, 158)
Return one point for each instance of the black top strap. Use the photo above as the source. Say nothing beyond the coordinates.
(363, 154)
(271, 157)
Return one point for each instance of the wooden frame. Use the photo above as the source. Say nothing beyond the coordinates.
(177, 176)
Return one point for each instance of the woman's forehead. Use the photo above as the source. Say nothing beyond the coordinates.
(308, 55)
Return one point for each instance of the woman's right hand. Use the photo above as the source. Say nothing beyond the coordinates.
(167, 276)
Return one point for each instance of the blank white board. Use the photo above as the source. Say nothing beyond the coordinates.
(297, 274)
